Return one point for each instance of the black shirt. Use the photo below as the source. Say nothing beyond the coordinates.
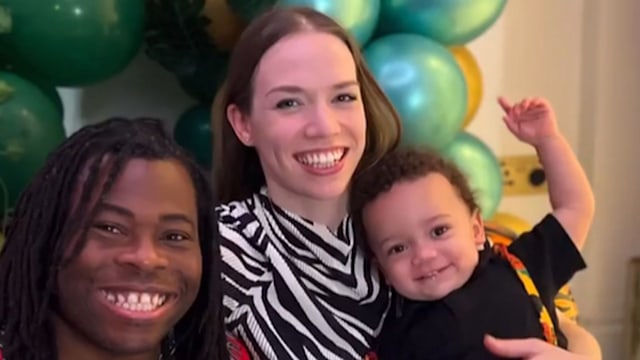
(493, 302)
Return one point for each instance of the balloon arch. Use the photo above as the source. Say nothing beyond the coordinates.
(416, 50)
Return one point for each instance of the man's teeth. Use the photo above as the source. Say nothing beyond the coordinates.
(322, 159)
(135, 301)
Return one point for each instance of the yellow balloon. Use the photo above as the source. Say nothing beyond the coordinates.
(511, 222)
(1, 240)
(224, 26)
(473, 78)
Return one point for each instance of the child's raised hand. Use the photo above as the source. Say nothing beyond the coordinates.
(532, 120)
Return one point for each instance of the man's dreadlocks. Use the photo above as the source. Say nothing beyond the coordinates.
(46, 218)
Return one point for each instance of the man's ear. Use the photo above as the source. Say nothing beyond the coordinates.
(240, 124)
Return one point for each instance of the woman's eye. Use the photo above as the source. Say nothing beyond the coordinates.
(287, 104)
(346, 98)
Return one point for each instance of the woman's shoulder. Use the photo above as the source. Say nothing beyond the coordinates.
(237, 213)
(239, 228)
(233, 209)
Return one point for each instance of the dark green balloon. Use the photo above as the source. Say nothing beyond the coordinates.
(249, 9)
(30, 128)
(193, 132)
(29, 74)
(74, 42)
(205, 75)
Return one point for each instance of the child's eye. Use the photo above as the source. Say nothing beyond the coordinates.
(396, 249)
(439, 231)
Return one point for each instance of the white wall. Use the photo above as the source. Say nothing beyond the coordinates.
(142, 89)
(582, 55)
(585, 57)
(611, 78)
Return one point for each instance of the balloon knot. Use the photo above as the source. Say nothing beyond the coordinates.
(5, 20)
(5, 91)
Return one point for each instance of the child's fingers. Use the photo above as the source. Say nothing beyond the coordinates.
(504, 104)
(533, 114)
(518, 109)
(510, 123)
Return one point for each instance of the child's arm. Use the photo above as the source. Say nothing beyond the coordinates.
(569, 190)
(533, 122)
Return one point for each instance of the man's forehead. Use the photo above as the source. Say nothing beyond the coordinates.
(105, 162)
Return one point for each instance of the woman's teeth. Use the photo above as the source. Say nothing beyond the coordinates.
(324, 159)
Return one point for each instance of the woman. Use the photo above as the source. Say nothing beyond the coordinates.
(299, 117)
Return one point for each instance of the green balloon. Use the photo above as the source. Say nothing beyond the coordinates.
(74, 42)
(425, 84)
(193, 132)
(205, 75)
(359, 17)
(30, 128)
(481, 167)
(29, 74)
(249, 9)
(449, 22)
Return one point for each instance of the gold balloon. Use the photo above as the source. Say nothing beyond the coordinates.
(1, 240)
(224, 26)
(473, 78)
(511, 222)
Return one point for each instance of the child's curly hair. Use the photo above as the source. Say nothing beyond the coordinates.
(403, 164)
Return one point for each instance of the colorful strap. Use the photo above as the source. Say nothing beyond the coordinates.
(545, 319)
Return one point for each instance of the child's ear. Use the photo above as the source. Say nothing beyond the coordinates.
(479, 235)
(376, 263)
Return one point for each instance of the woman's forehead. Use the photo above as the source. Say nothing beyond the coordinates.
(306, 59)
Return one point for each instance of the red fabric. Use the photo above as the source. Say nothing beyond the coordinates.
(237, 350)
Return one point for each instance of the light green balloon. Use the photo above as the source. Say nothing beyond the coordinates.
(449, 22)
(425, 84)
(359, 17)
(482, 169)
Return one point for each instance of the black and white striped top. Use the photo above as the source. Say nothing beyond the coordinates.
(295, 289)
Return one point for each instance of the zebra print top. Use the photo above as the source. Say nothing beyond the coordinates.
(294, 289)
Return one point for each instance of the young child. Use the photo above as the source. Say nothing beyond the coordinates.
(426, 232)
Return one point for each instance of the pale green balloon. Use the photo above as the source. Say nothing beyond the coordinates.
(481, 167)
(425, 84)
(359, 17)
